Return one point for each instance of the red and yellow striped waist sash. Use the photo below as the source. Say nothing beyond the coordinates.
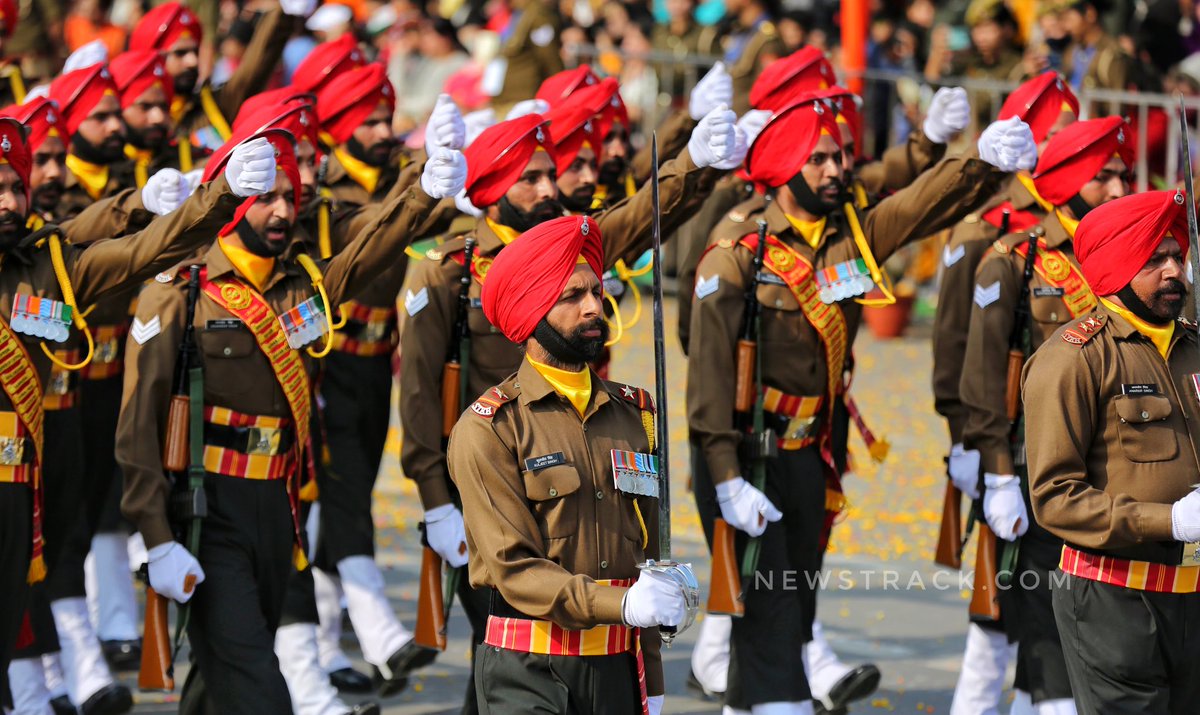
(545, 638)
(16, 465)
(108, 360)
(803, 416)
(266, 465)
(1137, 575)
(62, 389)
(374, 330)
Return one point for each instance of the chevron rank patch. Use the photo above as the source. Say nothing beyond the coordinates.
(143, 332)
(986, 295)
(415, 302)
(1084, 330)
(707, 286)
(950, 257)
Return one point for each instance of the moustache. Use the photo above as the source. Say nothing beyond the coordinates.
(1173, 286)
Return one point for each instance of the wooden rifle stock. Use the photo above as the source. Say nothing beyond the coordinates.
(950, 534)
(744, 387)
(431, 619)
(451, 405)
(1012, 389)
(156, 671)
(985, 605)
(725, 587)
(175, 446)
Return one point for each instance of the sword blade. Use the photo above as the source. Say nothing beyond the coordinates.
(662, 434)
(1193, 232)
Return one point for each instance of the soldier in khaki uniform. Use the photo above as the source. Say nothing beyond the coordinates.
(553, 533)
(804, 348)
(1094, 59)
(1083, 166)
(255, 376)
(1111, 404)
(531, 52)
(751, 45)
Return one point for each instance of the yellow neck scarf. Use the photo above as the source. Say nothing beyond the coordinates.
(506, 234)
(256, 268)
(1068, 223)
(811, 231)
(1160, 335)
(141, 163)
(93, 177)
(1027, 181)
(364, 174)
(179, 107)
(575, 386)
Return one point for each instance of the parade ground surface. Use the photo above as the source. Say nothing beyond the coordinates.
(883, 601)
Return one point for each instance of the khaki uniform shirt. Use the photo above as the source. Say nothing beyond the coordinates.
(793, 359)
(993, 315)
(969, 242)
(1109, 69)
(760, 49)
(238, 375)
(543, 537)
(533, 53)
(1105, 467)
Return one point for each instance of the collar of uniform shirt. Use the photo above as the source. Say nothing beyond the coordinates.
(811, 231)
(1160, 335)
(364, 174)
(255, 268)
(93, 177)
(575, 386)
(506, 234)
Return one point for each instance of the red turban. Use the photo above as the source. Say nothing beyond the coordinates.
(844, 103)
(40, 117)
(528, 276)
(604, 99)
(326, 62)
(571, 126)
(77, 94)
(1114, 241)
(784, 80)
(346, 101)
(15, 152)
(276, 99)
(1075, 155)
(1039, 102)
(285, 157)
(165, 25)
(297, 118)
(8, 16)
(786, 142)
(136, 71)
(561, 85)
(499, 155)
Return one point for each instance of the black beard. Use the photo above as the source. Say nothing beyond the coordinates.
(111, 151)
(1079, 207)
(45, 198)
(257, 244)
(572, 350)
(185, 82)
(580, 201)
(377, 156)
(610, 171)
(138, 137)
(814, 204)
(12, 230)
(1170, 309)
(522, 221)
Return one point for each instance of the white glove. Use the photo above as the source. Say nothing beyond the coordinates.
(1004, 506)
(752, 123)
(713, 90)
(445, 173)
(528, 106)
(165, 191)
(463, 204)
(446, 534)
(745, 507)
(445, 127)
(964, 470)
(194, 177)
(654, 703)
(714, 139)
(1008, 145)
(170, 564)
(654, 600)
(949, 113)
(298, 8)
(1185, 518)
(476, 122)
(251, 168)
(741, 147)
(93, 53)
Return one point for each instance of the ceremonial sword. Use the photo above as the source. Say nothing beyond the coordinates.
(1190, 551)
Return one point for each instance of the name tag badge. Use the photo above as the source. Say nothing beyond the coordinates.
(1143, 389)
(635, 473)
(534, 464)
(224, 324)
(1048, 292)
(477, 303)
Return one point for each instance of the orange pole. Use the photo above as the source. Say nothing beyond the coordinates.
(855, 16)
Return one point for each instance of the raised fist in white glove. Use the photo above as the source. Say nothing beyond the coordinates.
(752, 123)
(165, 191)
(93, 53)
(745, 507)
(463, 204)
(251, 168)
(170, 565)
(1004, 506)
(964, 470)
(949, 113)
(445, 173)
(1008, 145)
(446, 534)
(445, 127)
(298, 8)
(655, 599)
(528, 106)
(713, 90)
(1185, 518)
(714, 140)
(475, 122)
(194, 178)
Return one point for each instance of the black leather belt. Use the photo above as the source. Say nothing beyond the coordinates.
(250, 440)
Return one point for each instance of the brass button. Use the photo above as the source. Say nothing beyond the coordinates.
(778, 303)
(599, 494)
(603, 564)
(228, 352)
(1054, 316)
(553, 492)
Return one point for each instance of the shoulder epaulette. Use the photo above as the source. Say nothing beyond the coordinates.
(1084, 330)
(489, 402)
(639, 397)
(1018, 220)
(452, 248)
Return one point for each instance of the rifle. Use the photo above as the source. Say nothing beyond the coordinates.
(182, 454)
(431, 620)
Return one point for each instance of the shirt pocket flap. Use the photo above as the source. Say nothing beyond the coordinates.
(776, 297)
(231, 343)
(1144, 429)
(551, 482)
(1143, 408)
